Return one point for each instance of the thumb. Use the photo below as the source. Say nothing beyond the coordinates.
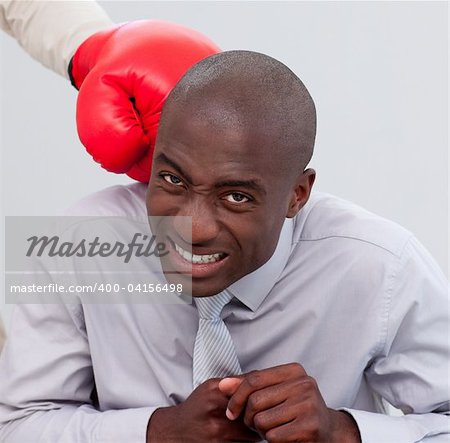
(229, 385)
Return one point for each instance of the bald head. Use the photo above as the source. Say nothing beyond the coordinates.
(234, 138)
(251, 91)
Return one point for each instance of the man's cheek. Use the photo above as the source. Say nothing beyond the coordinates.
(159, 203)
(252, 251)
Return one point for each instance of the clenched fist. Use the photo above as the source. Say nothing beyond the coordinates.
(284, 404)
(200, 418)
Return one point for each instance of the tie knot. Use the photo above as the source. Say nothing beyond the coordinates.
(209, 308)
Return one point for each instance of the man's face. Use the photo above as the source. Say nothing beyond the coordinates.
(226, 177)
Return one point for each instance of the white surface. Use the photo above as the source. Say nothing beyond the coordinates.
(377, 71)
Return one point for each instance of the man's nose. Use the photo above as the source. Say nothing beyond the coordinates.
(196, 222)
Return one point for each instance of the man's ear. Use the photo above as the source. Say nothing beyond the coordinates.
(301, 192)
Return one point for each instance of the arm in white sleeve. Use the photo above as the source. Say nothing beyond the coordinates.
(2, 335)
(51, 31)
(412, 370)
(46, 380)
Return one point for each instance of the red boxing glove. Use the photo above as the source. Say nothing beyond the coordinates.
(124, 75)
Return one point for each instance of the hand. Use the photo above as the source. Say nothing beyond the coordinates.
(124, 75)
(200, 418)
(284, 404)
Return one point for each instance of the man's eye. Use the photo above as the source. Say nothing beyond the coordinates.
(172, 179)
(237, 197)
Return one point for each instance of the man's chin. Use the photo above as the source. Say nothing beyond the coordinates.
(199, 280)
(200, 289)
(196, 287)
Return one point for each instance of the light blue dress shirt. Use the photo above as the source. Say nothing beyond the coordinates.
(352, 297)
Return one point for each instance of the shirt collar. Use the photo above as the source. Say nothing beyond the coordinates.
(253, 288)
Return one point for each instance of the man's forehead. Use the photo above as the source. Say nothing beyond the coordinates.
(223, 120)
(222, 139)
(214, 106)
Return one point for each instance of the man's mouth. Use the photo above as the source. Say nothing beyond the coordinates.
(199, 259)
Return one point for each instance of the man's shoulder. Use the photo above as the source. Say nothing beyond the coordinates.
(120, 200)
(327, 217)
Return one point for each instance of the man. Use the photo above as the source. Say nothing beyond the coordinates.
(328, 307)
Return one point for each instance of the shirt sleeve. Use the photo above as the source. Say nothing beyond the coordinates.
(51, 31)
(47, 380)
(2, 334)
(411, 371)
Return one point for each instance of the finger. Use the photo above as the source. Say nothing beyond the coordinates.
(286, 433)
(256, 380)
(229, 385)
(265, 399)
(294, 392)
(274, 417)
(297, 431)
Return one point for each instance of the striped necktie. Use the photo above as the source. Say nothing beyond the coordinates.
(214, 353)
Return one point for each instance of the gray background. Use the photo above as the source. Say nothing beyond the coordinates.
(377, 70)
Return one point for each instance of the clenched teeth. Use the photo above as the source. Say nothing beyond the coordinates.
(196, 259)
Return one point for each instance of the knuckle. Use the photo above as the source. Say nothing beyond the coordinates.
(254, 402)
(297, 369)
(309, 383)
(259, 420)
(272, 436)
(248, 421)
(210, 406)
(254, 379)
(214, 428)
(212, 384)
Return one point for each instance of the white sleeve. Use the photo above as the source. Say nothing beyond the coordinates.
(46, 382)
(51, 31)
(411, 371)
(2, 334)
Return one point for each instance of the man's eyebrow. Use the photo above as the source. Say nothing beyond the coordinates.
(162, 158)
(251, 184)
